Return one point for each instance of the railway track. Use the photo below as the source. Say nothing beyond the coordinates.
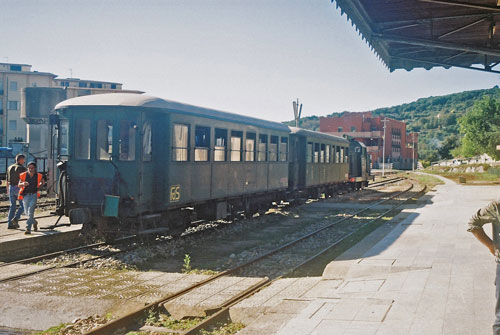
(82, 248)
(5, 208)
(385, 182)
(222, 312)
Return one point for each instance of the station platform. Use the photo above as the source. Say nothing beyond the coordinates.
(15, 245)
(421, 274)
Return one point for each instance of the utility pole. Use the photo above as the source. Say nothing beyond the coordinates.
(297, 110)
(413, 154)
(383, 148)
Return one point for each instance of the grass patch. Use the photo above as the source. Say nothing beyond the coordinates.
(163, 320)
(182, 324)
(427, 180)
(202, 272)
(56, 330)
(470, 177)
(225, 329)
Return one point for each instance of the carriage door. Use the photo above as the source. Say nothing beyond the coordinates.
(151, 175)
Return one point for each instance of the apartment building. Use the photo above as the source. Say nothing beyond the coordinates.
(20, 87)
(399, 149)
(14, 78)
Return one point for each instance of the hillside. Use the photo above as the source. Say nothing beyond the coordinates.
(435, 118)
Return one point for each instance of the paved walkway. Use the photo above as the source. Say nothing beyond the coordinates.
(15, 245)
(426, 275)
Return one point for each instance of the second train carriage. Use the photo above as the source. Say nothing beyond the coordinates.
(320, 162)
(133, 162)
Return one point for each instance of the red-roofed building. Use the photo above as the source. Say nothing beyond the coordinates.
(401, 149)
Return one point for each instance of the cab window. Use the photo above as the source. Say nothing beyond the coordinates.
(63, 134)
(82, 139)
(147, 141)
(126, 140)
(104, 139)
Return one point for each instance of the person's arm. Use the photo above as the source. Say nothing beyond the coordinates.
(484, 239)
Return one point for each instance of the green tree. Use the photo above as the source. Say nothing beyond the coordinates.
(451, 142)
(480, 128)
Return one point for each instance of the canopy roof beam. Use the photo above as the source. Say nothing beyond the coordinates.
(463, 4)
(436, 44)
(487, 69)
(463, 27)
(433, 19)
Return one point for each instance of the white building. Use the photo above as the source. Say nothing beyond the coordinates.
(13, 79)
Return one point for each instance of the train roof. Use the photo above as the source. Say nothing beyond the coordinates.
(315, 134)
(147, 101)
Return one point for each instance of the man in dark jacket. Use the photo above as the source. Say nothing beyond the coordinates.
(13, 173)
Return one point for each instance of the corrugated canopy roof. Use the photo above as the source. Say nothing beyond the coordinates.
(408, 34)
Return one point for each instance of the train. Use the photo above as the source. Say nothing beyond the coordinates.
(131, 163)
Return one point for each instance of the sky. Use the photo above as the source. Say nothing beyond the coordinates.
(247, 57)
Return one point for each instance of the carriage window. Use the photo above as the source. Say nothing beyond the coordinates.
(327, 153)
(284, 149)
(250, 147)
(337, 155)
(180, 143)
(316, 153)
(341, 154)
(309, 152)
(147, 141)
(220, 145)
(322, 153)
(262, 153)
(63, 134)
(273, 149)
(82, 139)
(346, 157)
(201, 143)
(236, 139)
(127, 140)
(104, 139)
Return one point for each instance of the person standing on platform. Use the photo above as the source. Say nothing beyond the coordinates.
(13, 173)
(490, 214)
(29, 183)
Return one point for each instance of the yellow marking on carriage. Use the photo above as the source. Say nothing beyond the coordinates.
(175, 193)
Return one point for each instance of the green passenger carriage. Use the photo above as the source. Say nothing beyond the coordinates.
(131, 162)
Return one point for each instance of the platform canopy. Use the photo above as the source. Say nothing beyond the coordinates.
(408, 34)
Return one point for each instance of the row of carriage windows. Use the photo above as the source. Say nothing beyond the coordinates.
(228, 145)
(325, 153)
(104, 139)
